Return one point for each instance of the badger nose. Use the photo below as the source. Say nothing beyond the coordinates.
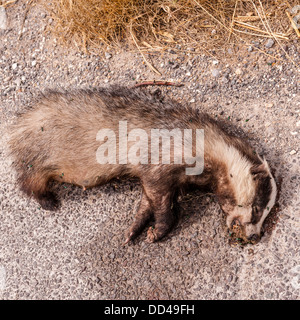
(235, 222)
(253, 238)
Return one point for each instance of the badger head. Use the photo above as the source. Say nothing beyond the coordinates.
(253, 194)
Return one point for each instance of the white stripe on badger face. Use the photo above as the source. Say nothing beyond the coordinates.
(272, 196)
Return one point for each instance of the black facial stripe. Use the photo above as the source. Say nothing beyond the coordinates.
(256, 215)
(262, 198)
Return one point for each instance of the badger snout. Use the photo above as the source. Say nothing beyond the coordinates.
(241, 229)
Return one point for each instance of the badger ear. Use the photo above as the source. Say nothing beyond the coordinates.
(259, 169)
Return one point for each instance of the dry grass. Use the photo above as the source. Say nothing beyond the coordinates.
(150, 24)
(7, 3)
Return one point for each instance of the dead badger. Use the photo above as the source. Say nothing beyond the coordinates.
(88, 137)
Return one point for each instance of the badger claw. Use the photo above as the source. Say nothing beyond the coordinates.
(128, 238)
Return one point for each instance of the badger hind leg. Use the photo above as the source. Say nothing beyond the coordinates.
(36, 186)
(164, 215)
(142, 217)
(164, 221)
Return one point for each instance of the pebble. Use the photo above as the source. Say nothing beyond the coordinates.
(33, 63)
(225, 79)
(293, 133)
(3, 19)
(255, 43)
(269, 104)
(269, 43)
(14, 66)
(18, 82)
(267, 124)
(250, 49)
(191, 49)
(8, 79)
(238, 71)
(298, 124)
(293, 152)
(108, 55)
(215, 72)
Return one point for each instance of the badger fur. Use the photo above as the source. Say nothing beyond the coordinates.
(56, 139)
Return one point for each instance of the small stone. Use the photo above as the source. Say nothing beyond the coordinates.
(225, 79)
(267, 124)
(269, 43)
(293, 133)
(18, 82)
(33, 63)
(238, 71)
(298, 124)
(108, 55)
(215, 62)
(269, 104)
(8, 79)
(250, 49)
(14, 66)
(215, 72)
(293, 152)
(112, 256)
(230, 51)
(192, 100)
(256, 43)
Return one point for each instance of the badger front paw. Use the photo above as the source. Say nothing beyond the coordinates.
(151, 235)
